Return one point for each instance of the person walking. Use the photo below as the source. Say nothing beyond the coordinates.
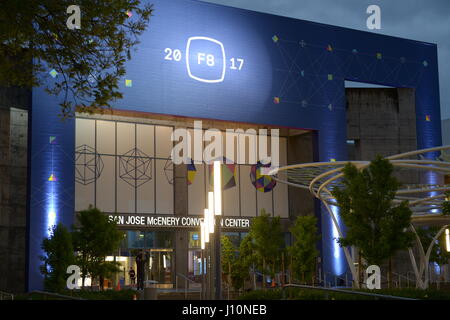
(132, 275)
(141, 260)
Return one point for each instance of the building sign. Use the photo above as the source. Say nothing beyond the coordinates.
(136, 220)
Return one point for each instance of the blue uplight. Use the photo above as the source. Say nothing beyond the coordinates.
(338, 261)
(51, 212)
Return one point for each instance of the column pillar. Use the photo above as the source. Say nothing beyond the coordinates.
(181, 241)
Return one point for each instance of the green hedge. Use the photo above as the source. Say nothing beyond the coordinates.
(299, 294)
(104, 295)
(85, 294)
(311, 294)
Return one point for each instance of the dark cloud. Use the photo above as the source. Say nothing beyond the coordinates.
(423, 20)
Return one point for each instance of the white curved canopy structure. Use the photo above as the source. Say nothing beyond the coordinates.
(425, 178)
(421, 172)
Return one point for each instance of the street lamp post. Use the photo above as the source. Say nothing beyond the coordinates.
(209, 217)
(204, 234)
(202, 266)
(208, 225)
(211, 224)
(218, 214)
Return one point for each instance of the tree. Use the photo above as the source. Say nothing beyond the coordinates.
(89, 61)
(94, 239)
(58, 256)
(228, 259)
(239, 274)
(247, 260)
(375, 225)
(303, 250)
(446, 205)
(268, 239)
(438, 253)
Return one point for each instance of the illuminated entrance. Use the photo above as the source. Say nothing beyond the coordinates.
(160, 267)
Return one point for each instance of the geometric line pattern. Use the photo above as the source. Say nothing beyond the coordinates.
(306, 81)
(135, 167)
(168, 171)
(88, 165)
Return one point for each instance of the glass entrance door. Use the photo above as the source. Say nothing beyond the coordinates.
(160, 266)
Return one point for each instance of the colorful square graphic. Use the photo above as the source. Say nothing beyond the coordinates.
(427, 118)
(276, 100)
(330, 77)
(275, 38)
(53, 73)
(128, 83)
(379, 56)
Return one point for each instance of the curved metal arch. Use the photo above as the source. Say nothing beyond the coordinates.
(332, 171)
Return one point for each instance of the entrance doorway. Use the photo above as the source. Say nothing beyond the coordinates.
(160, 267)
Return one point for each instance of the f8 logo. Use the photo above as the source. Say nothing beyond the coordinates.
(205, 59)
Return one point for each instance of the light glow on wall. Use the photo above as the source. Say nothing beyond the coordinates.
(51, 207)
(338, 263)
(52, 194)
(51, 220)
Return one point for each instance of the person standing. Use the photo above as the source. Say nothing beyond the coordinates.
(132, 275)
(141, 260)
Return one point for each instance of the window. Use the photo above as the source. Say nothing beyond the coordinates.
(123, 167)
(148, 240)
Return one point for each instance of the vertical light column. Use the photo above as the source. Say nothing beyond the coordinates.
(217, 188)
(218, 213)
(202, 235)
(210, 211)
(447, 240)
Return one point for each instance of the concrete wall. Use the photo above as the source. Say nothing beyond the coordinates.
(300, 150)
(383, 121)
(445, 132)
(14, 104)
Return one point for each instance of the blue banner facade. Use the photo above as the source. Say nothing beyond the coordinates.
(208, 61)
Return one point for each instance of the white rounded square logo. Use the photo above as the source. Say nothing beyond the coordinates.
(205, 59)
